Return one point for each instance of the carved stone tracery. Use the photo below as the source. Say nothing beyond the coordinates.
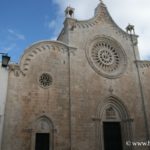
(45, 80)
(110, 113)
(106, 57)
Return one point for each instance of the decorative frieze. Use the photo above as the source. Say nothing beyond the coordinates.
(143, 64)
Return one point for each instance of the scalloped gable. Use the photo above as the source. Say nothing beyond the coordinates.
(39, 47)
(101, 15)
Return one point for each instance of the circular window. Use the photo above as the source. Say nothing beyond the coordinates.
(45, 80)
(106, 57)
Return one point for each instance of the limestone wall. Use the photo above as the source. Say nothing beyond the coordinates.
(91, 90)
(144, 67)
(70, 94)
(38, 98)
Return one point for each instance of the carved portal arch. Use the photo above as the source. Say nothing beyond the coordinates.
(113, 110)
(42, 125)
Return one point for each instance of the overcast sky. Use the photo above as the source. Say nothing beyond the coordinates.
(25, 22)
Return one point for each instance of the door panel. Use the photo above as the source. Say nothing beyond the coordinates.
(42, 141)
(112, 136)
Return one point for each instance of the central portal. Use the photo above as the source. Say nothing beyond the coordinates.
(112, 136)
(42, 141)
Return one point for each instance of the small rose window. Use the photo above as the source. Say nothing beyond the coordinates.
(45, 80)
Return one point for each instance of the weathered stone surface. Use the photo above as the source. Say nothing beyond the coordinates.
(78, 99)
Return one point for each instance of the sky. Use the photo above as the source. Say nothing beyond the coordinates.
(24, 22)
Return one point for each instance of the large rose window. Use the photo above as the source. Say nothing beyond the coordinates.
(106, 57)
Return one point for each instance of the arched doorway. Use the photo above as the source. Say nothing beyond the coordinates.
(42, 134)
(113, 126)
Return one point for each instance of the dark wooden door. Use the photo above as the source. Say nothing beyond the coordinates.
(112, 136)
(42, 141)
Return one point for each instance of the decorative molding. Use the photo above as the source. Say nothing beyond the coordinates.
(42, 125)
(110, 113)
(40, 47)
(91, 23)
(115, 102)
(120, 114)
(102, 15)
(87, 24)
(15, 68)
(143, 64)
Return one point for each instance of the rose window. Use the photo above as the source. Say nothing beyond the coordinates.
(45, 80)
(107, 57)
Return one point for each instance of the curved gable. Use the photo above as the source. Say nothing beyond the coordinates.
(39, 48)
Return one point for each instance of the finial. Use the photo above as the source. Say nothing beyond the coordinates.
(99, 9)
(130, 29)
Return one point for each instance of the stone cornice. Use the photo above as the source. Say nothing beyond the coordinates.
(143, 63)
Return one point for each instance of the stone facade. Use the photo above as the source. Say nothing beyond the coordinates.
(70, 88)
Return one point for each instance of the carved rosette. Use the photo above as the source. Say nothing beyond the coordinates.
(45, 80)
(106, 57)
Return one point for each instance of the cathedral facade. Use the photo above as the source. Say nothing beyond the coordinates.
(88, 90)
